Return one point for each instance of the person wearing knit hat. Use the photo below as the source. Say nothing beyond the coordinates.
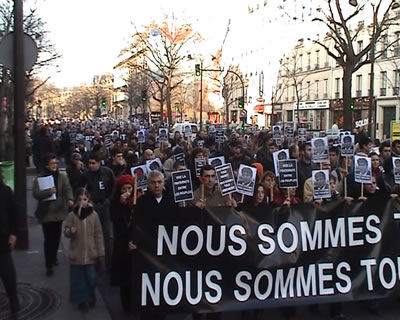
(121, 216)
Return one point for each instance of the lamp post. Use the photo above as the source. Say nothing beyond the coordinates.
(371, 109)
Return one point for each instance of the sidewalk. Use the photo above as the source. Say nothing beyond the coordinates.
(31, 270)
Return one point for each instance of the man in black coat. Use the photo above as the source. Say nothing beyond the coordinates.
(9, 229)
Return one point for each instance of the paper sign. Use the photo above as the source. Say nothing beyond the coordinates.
(280, 155)
(246, 180)
(182, 185)
(226, 179)
(154, 164)
(140, 172)
(396, 169)
(141, 136)
(319, 149)
(198, 164)
(347, 145)
(163, 135)
(362, 172)
(287, 172)
(216, 161)
(320, 181)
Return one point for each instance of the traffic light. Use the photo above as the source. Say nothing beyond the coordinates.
(241, 102)
(351, 106)
(104, 102)
(198, 69)
(144, 95)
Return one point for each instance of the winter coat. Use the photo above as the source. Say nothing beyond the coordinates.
(87, 244)
(53, 210)
(9, 213)
(100, 184)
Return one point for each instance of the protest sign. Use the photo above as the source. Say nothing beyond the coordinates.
(180, 157)
(226, 179)
(140, 173)
(141, 136)
(219, 135)
(279, 155)
(216, 161)
(396, 169)
(163, 135)
(319, 149)
(246, 180)
(276, 134)
(187, 131)
(198, 164)
(320, 181)
(362, 172)
(347, 145)
(107, 141)
(154, 164)
(302, 135)
(287, 173)
(182, 185)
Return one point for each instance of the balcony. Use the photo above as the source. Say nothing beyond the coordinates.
(337, 95)
(325, 95)
(383, 92)
(358, 93)
(316, 66)
(308, 68)
(326, 64)
(395, 91)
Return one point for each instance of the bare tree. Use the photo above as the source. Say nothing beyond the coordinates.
(164, 48)
(343, 51)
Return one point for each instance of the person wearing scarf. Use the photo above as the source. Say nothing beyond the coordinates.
(51, 213)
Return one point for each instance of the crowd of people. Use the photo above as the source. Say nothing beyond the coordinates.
(94, 202)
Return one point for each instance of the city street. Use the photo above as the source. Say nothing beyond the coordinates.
(30, 268)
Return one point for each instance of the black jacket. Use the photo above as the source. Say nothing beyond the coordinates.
(100, 184)
(9, 213)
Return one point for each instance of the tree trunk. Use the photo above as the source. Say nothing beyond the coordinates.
(347, 99)
(169, 110)
(161, 104)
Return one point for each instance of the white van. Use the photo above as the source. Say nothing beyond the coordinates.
(180, 127)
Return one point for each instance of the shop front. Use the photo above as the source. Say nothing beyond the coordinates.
(360, 112)
(314, 112)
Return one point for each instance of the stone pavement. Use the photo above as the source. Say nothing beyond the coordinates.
(31, 271)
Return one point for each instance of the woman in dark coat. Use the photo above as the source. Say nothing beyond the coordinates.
(121, 216)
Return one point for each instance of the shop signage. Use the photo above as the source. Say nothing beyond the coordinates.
(310, 105)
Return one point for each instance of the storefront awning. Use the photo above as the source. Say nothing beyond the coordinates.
(259, 108)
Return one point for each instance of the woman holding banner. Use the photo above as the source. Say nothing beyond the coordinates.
(121, 211)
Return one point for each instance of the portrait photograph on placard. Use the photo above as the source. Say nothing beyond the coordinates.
(319, 149)
(154, 164)
(187, 131)
(246, 180)
(182, 185)
(216, 161)
(219, 136)
(141, 136)
(163, 135)
(362, 169)
(320, 182)
(396, 169)
(140, 173)
(198, 164)
(280, 155)
(226, 179)
(347, 145)
(276, 132)
(302, 135)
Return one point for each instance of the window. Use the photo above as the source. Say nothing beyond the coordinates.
(317, 58)
(325, 88)
(384, 46)
(289, 115)
(337, 88)
(301, 62)
(360, 46)
(396, 47)
(308, 89)
(309, 61)
(316, 89)
(396, 82)
(326, 60)
(359, 85)
(383, 83)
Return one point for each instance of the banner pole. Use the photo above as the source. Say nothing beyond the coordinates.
(242, 199)
(362, 190)
(345, 178)
(135, 191)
